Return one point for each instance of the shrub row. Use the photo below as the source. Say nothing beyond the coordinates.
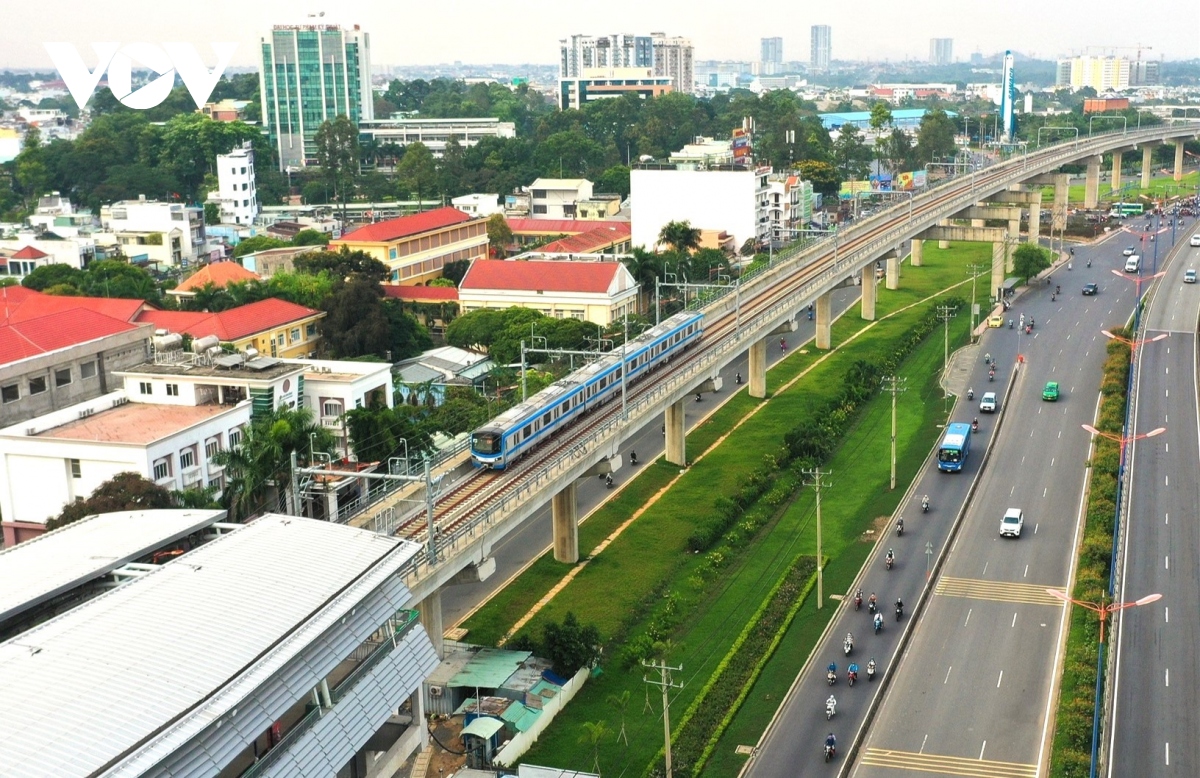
(1072, 749)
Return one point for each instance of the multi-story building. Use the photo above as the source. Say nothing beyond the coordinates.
(333, 387)
(434, 133)
(555, 198)
(583, 52)
(270, 327)
(1100, 73)
(1144, 72)
(789, 205)
(169, 234)
(477, 204)
(673, 59)
(312, 73)
(821, 53)
(417, 247)
(215, 274)
(941, 51)
(727, 198)
(601, 83)
(599, 292)
(43, 245)
(771, 56)
(225, 110)
(236, 190)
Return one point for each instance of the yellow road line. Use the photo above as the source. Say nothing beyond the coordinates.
(946, 765)
(999, 591)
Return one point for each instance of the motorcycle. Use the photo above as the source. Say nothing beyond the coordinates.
(830, 752)
(1089, 263)
(608, 481)
(847, 646)
(899, 611)
(633, 457)
(1028, 329)
(737, 379)
(872, 606)
(1010, 324)
(852, 675)
(783, 345)
(831, 674)
(1052, 296)
(925, 505)
(899, 527)
(974, 426)
(857, 600)
(871, 671)
(697, 397)
(889, 561)
(878, 623)
(970, 394)
(829, 710)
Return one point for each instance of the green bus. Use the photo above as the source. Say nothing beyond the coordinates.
(1127, 209)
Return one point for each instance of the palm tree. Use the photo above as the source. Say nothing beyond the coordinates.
(680, 236)
(621, 702)
(646, 268)
(593, 733)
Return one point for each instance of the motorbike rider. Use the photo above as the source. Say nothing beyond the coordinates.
(971, 393)
(831, 705)
(925, 499)
(878, 620)
(900, 526)
(891, 557)
(849, 641)
(975, 424)
(633, 457)
(871, 669)
(608, 481)
(858, 599)
(852, 672)
(987, 359)
(871, 603)
(831, 743)
(697, 397)
(1010, 324)
(899, 605)
(737, 378)
(782, 344)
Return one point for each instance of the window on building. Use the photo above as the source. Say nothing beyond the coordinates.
(331, 408)
(295, 334)
(76, 469)
(212, 447)
(172, 390)
(162, 468)
(279, 339)
(245, 187)
(217, 483)
(539, 194)
(144, 387)
(310, 329)
(10, 393)
(187, 458)
(62, 377)
(87, 370)
(539, 209)
(243, 171)
(37, 385)
(235, 438)
(233, 171)
(245, 203)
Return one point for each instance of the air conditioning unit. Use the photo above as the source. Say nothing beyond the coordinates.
(435, 691)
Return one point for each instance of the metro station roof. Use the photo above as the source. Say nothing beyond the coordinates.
(53, 564)
(118, 684)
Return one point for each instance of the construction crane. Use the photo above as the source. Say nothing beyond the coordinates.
(1109, 49)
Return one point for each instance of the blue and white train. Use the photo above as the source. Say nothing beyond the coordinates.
(519, 429)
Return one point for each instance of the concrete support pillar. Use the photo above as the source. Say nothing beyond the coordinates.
(977, 223)
(564, 516)
(676, 439)
(1062, 184)
(1147, 159)
(1116, 170)
(1178, 160)
(893, 269)
(868, 292)
(1091, 184)
(918, 248)
(999, 263)
(1035, 221)
(416, 705)
(758, 369)
(825, 320)
(1014, 235)
(430, 609)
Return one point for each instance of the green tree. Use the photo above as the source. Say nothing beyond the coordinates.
(477, 329)
(375, 434)
(343, 264)
(417, 171)
(851, 155)
(115, 278)
(646, 267)
(822, 175)
(594, 733)
(881, 116)
(46, 276)
(256, 244)
(935, 137)
(308, 289)
(679, 236)
(500, 235)
(212, 213)
(1029, 260)
(337, 154)
(311, 238)
(408, 336)
(122, 492)
(896, 152)
(570, 645)
(355, 324)
(615, 180)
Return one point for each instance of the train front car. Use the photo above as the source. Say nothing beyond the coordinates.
(487, 447)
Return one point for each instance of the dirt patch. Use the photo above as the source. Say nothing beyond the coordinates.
(878, 527)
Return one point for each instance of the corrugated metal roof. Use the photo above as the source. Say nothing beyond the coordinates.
(58, 561)
(490, 668)
(118, 684)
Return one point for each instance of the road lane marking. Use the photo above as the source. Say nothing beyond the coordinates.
(1166, 676)
(1168, 752)
(1167, 559)
(1167, 449)
(947, 765)
(944, 682)
(968, 621)
(923, 741)
(1166, 480)
(995, 591)
(1167, 615)
(985, 742)
(1014, 623)
(1051, 461)
(1045, 491)
(1026, 573)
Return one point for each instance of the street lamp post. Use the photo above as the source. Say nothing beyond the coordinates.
(1102, 609)
(1137, 279)
(1120, 440)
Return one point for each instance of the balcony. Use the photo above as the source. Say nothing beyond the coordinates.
(193, 478)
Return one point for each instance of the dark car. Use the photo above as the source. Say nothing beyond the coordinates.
(1090, 289)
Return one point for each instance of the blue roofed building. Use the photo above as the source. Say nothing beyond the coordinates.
(907, 119)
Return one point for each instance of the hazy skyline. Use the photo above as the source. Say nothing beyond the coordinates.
(484, 32)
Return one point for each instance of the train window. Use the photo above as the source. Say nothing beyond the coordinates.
(546, 419)
(485, 443)
(565, 406)
(527, 431)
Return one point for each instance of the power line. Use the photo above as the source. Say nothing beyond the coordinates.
(665, 682)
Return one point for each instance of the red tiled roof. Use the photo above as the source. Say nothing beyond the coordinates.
(34, 305)
(559, 226)
(234, 324)
(219, 274)
(592, 240)
(536, 275)
(20, 340)
(404, 226)
(420, 293)
(29, 252)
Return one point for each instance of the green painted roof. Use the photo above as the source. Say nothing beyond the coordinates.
(489, 668)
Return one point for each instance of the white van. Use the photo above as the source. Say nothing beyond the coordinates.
(1133, 263)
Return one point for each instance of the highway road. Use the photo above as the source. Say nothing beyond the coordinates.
(520, 548)
(1156, 692)
(990, 633)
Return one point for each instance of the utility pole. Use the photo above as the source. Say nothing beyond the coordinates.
(815, 474)
(974, 269)
(667, 684)
(946, 313)
(895, 385)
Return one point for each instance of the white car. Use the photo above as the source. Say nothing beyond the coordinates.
(1012, 522)
(987, 404)
(1195, 241)
(1128, 252)
(1189, 276)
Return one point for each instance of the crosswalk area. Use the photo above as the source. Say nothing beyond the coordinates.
(940, 764)
(997, 591)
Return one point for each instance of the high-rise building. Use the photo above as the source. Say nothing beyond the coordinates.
(673, 59)
(1008, 90)
(822, 47)
(1144, 73)
(236, 193)
(771, 58)
(941, 51)
(1100, 73)
(312, 73)
(623, 50)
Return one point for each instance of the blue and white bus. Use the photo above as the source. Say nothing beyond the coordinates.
(956, 444)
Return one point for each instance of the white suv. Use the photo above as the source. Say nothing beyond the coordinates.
(1012, 522)
(1195, 241)
(988, 403)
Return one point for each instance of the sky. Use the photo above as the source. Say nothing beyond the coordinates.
(488, 31)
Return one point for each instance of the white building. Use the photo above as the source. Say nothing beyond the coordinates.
(435, 133)
(236, 191)
(673, 59)
(478, 205)
(555, 198)
(789, 205)
(55, 213)
(334, 387)
(821, 51)
(168, 233)
(599, 292)
(30, 249)
(604, 83)
(165, 424)
(703, 152)
(941, 51)
(724, 198)
(624, 50)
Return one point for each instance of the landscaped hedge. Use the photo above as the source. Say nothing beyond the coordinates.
(1071, 753)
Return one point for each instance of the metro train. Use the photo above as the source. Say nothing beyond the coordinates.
(522, 427)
